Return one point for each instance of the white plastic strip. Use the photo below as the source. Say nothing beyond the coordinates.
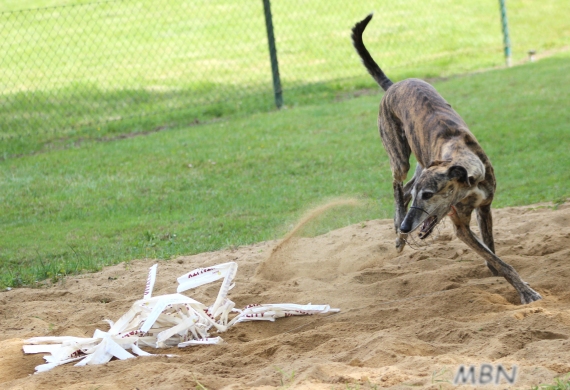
(49, 348)
(201, 276)
(230, 273)
(206, 341)
(159, 308)
(164, 321)
(137, 351)
(150, 282)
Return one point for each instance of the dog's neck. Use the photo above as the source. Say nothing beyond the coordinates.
(459, 154)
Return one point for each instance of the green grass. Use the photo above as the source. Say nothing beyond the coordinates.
(104, 69)
(191, 189)
(562, 383)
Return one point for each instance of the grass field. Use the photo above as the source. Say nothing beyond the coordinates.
(192, 189)
(99, 70)
(560, 383)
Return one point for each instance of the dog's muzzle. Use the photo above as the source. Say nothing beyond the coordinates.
(413, 215)
(427, 227)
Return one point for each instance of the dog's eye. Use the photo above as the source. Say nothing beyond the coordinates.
(426, 195)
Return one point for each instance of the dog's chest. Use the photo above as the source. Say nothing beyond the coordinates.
(475, 197)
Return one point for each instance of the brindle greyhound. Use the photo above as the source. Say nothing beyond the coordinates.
(453, 176)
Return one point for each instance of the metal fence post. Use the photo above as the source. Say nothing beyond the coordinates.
(505, 25)
(273, 55)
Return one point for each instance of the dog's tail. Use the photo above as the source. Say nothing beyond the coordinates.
(367, 59)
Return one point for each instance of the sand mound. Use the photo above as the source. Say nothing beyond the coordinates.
(407, 319)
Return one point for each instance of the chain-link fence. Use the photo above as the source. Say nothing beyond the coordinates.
(114, 68)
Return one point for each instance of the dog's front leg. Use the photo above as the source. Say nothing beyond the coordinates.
(485, 222)
(396, 145)
(402, 197)
(527, 294)
(400, 214)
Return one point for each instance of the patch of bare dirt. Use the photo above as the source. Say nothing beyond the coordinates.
(408, 319)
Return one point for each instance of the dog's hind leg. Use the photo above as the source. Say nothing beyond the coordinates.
(461, 224)
(485, 222)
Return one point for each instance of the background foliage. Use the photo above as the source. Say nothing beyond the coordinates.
(77, 70)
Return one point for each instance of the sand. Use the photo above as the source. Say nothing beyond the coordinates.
(407, 320)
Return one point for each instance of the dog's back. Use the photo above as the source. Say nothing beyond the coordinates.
(425, 117)
(429, 125)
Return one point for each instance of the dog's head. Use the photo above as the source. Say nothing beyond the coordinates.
(437, 188)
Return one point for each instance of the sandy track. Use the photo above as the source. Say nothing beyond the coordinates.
(407, 319)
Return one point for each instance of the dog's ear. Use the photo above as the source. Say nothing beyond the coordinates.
(460, 173)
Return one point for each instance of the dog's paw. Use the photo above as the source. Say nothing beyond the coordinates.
(400, 242)
(529, 296)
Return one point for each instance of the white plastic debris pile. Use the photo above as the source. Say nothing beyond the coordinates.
(164, 321)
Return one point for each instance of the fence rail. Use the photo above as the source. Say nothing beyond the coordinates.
(106, 69)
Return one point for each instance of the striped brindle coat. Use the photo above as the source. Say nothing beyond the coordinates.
(454, 175)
